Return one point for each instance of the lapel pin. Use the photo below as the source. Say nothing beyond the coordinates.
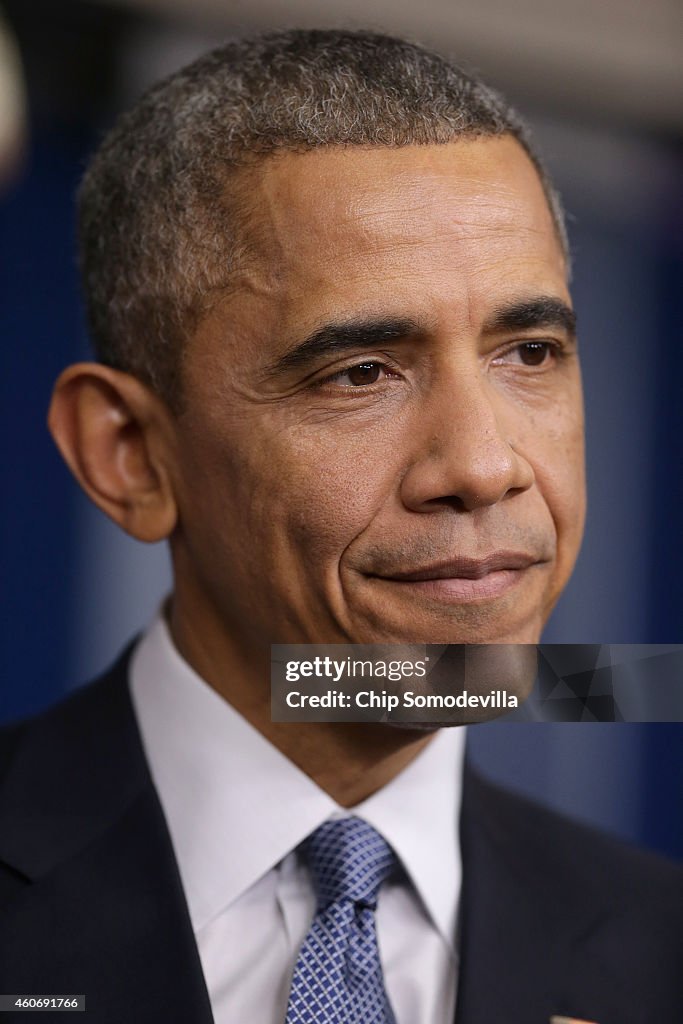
(569, 1020)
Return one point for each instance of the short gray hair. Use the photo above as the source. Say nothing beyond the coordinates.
(158, 227)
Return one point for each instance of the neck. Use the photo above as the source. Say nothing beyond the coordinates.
(350, 761)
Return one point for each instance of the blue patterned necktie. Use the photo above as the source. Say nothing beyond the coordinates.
(338, 974)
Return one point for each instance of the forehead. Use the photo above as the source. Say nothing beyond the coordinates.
(444, 236)
(331, 216)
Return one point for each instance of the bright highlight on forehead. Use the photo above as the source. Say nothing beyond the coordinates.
(381, 222)
(330, 199)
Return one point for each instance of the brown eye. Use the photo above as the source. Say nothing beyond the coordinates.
(533, 353)
(364, 373)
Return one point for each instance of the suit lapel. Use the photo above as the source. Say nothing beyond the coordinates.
(525, 929)
(93, 899)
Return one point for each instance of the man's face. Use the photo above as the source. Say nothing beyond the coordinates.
(383, 432)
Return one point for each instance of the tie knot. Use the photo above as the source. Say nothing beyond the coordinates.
(348, 860)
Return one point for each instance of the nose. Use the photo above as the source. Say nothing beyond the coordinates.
(461, 454)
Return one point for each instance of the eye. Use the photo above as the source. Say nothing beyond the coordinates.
(529, 353)
(361, 375)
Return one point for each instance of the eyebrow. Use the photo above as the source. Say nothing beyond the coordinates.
(346, 335)
(541, 311)
(338, 337)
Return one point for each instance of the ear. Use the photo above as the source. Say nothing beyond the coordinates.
(117, 438)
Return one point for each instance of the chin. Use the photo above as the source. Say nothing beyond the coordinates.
(476, 633)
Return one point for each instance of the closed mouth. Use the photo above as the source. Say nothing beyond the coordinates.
(464, 568)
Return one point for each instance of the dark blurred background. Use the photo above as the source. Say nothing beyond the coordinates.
(603, 87)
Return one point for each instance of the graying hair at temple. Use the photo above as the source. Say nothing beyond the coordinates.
(161, 206)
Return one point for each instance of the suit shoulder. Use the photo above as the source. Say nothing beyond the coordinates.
(581, 855)
(105, 694)
(68, 772)
(46, 757)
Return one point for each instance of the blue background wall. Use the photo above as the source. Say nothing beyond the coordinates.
(74, 588)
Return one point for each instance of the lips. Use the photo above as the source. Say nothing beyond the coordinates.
(464, 568)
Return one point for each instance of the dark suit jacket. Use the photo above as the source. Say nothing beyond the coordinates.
(555, 918)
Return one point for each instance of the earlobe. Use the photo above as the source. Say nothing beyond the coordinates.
(114, 435)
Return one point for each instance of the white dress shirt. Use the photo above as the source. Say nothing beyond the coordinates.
(237, 809)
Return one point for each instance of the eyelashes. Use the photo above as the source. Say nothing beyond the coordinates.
(360, 375)
(538, 354)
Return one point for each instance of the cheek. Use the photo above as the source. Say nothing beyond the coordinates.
(329, 485)
(294, 494)
(560, 475)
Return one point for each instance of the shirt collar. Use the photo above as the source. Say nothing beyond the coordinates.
(418, 813)
(235, 806)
